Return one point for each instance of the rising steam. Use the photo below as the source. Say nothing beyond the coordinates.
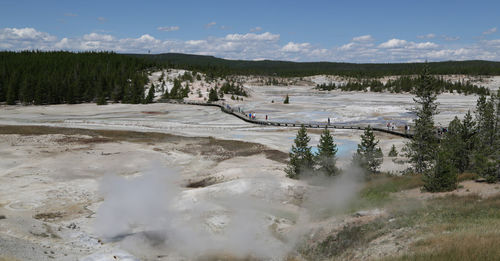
(152, 213)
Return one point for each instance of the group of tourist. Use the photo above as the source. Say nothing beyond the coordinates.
(391, 126)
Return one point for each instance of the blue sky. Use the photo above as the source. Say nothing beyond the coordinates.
(350, 31)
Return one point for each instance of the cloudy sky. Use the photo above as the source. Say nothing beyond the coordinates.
(346, 31)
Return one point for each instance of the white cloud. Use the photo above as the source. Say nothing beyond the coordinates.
(253, 46)
(295, 47)
(348, 46)
(399, 44)
(98, 37)
(25, 34)
(490, 31)
(196, 42)
(101, 19)
(363, 38)
(394, 43)
(267, 36)
(492, 43)
(427, 36)
(26, 38)
(210, 25)
(426, 45)
(168, 28)
(256, 29)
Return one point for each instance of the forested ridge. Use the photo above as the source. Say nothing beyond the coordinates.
(34, 77)
(217, 67)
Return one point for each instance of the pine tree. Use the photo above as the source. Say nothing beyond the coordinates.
(469, 137)
(185, 91)
(101, 100)
(443, 177)
(393, 152)
(166, 94)
(496, 145)
(287, 100)
(455, 146)
(368, 155)
(301, 158)
(486, 155)
(326, 156)
(212, 95)
(175, 92)
(11, 95)
(422, 148)
(151, 94)
(485, 117)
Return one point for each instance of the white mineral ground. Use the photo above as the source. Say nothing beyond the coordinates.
(57, 197)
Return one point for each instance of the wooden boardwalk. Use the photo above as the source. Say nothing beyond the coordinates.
(310, 125)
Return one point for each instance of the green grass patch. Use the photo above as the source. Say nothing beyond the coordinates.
(379, 188)
(456, 247)
(443, 222)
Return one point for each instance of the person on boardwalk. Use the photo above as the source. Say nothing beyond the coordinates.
(328, 120)
(388, 125)
(266, 117)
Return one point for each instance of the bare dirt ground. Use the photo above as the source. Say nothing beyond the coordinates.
(466, 188)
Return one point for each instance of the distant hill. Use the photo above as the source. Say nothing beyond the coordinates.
(218, 66)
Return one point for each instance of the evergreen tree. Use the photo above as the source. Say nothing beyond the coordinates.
(212, 95)
(301, 158)
(25, 92)
(368, 155)
(496, 145)
(468, 135)
(185, 91)
(326, 156)
(64, 77)
(443, 177)
(11, 95)
(490, 171)
(485, 117)
(101, 100)
(287, 100)
(151, 94)
(166, 94)
(176, 90)
(486, 155)
(393, 152)
(2, 91)
(421, 149)
(455, 146)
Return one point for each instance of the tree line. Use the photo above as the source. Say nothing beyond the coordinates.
(34, 77)
(471, 144)
(405, 84)
(216, 67)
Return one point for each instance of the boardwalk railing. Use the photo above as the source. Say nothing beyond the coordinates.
(310, 125)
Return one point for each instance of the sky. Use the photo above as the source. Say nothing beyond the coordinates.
(340, 31)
